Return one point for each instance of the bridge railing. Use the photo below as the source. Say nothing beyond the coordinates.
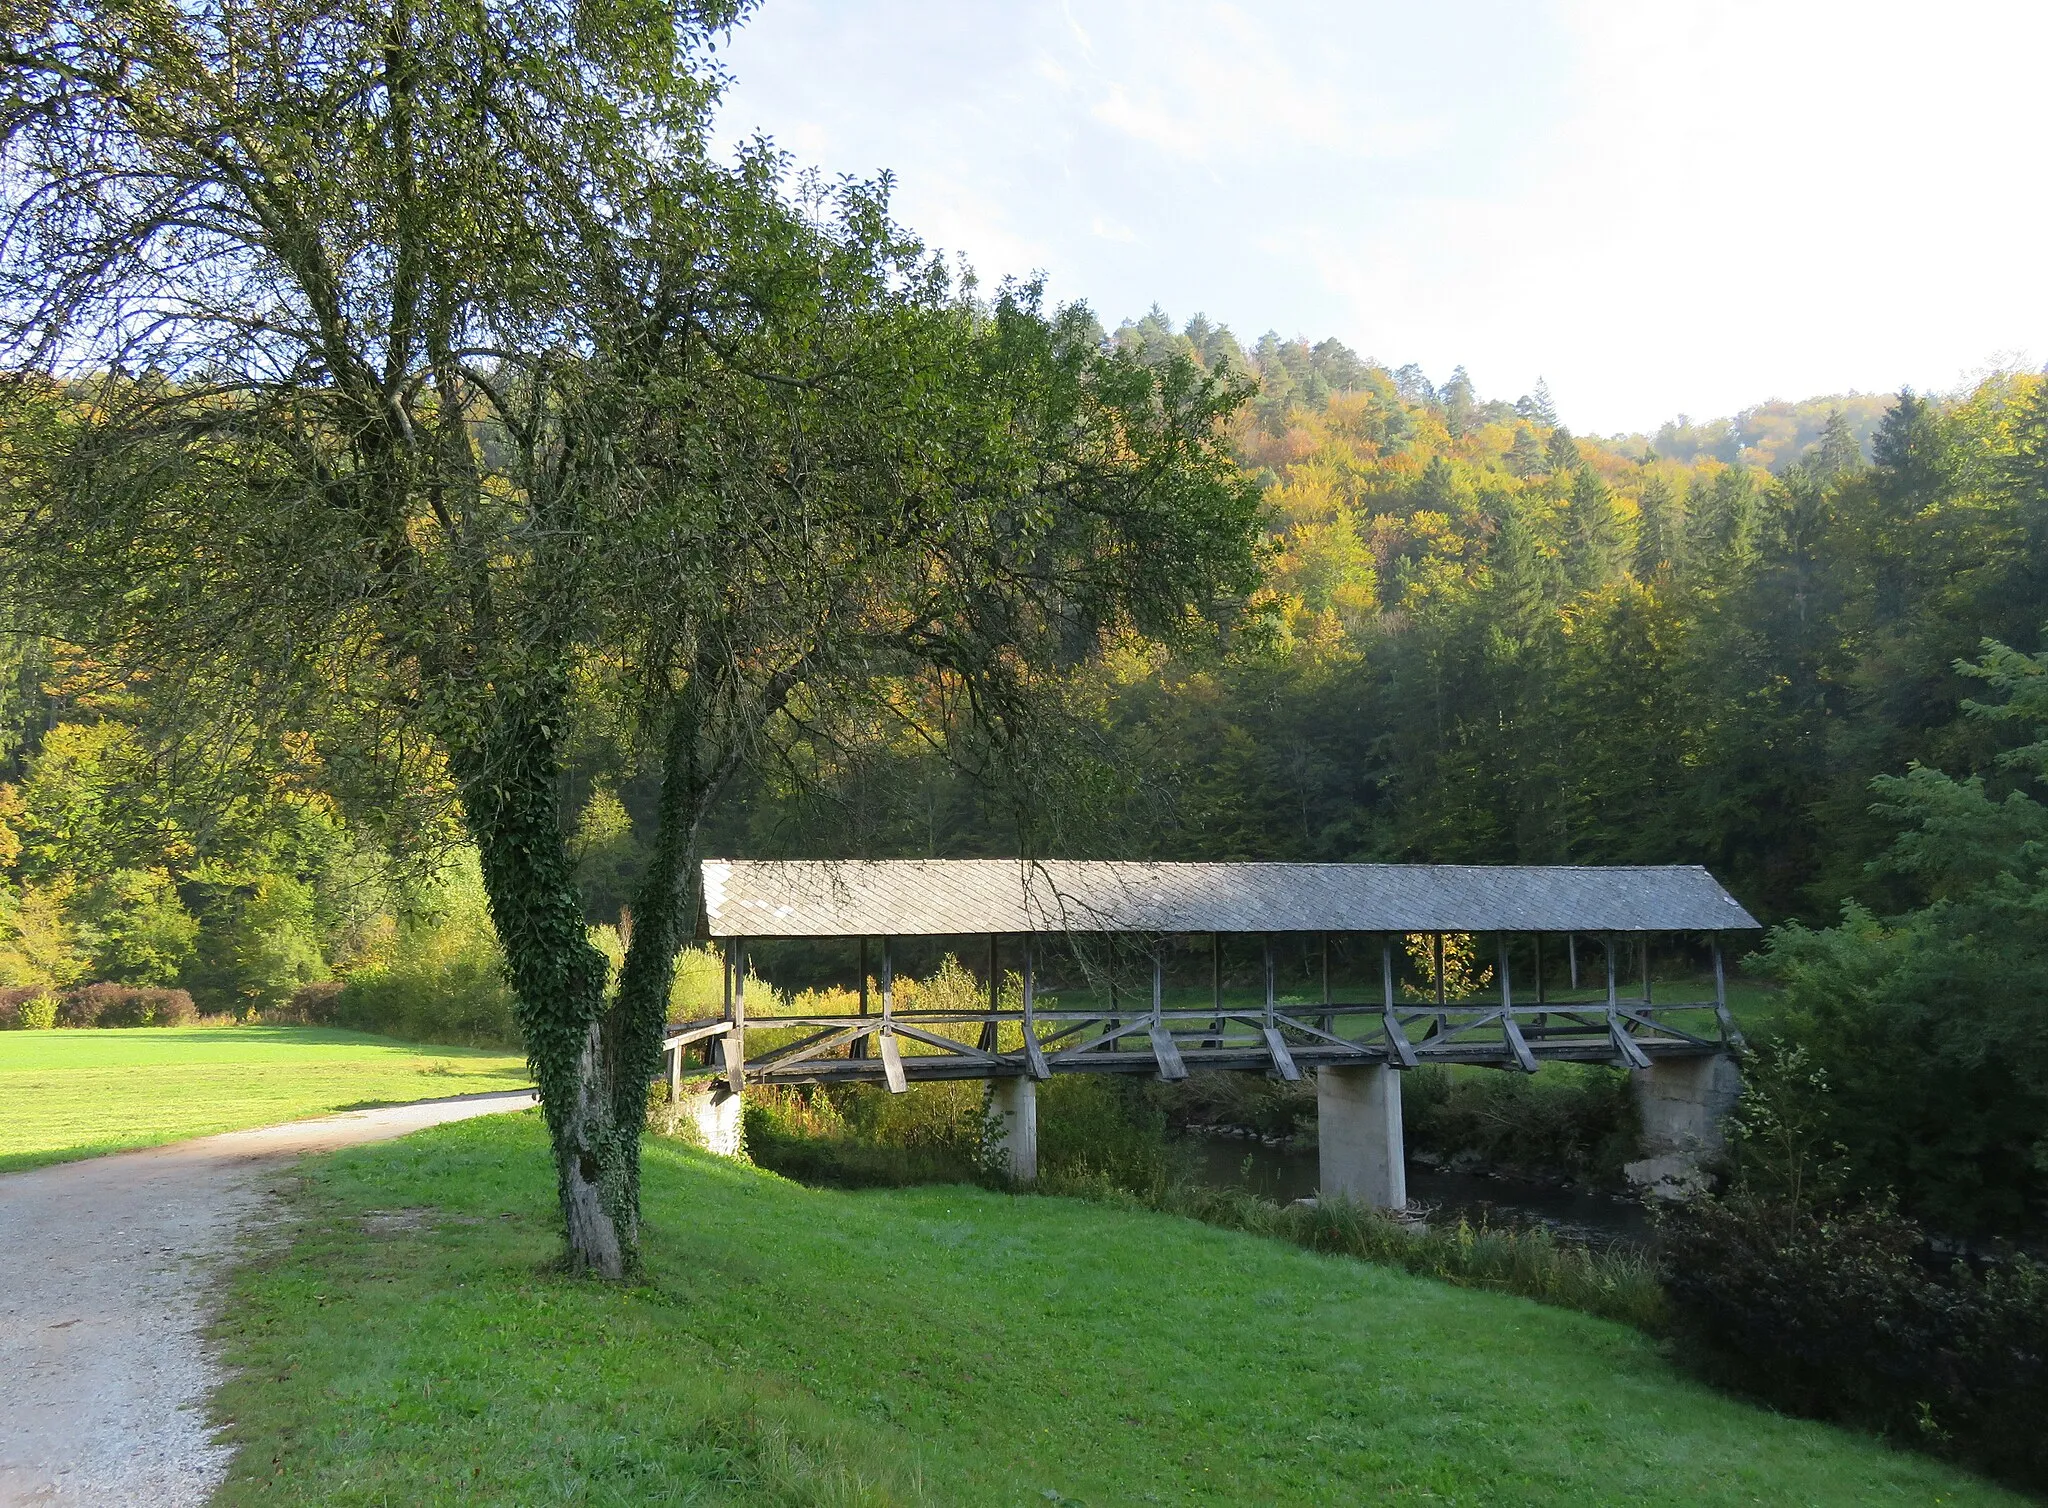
(1280, 1037)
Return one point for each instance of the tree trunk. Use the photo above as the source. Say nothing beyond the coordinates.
(587, 1087)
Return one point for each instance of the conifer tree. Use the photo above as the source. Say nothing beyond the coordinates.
(1659, 528)
(1561, 454)
(1596, 533)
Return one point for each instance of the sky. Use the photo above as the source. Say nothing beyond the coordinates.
(1661, 207)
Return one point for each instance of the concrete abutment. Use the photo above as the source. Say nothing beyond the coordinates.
(709, 1116)
(1682, 1103)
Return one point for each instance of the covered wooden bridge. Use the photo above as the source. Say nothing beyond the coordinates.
(1357, 1029)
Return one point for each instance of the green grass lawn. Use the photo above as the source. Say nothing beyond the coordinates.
(67, 1094)
(410, 1343)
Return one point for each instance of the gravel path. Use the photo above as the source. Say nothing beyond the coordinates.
(106, 1273)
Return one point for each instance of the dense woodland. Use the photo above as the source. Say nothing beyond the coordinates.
(1794, 646)
(1482, 638)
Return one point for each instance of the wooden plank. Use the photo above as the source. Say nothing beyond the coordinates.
(807, 1047)
(1283, 1060)
(948, 1045)
(1525, 1059)
(1397, 1039)
(892, 1063)
(1624, 1045)
(694, 1031)
(1167, 1055)
(1730, 1033)
(1034, 1058)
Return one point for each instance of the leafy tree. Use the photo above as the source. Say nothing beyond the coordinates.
(476, 394)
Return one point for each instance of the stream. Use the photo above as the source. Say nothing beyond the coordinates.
(1288, 1173)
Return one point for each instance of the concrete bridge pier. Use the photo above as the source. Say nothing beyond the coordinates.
(1013, 1126)
(1682, 1102)
(710, 1115)
(1358, 1136)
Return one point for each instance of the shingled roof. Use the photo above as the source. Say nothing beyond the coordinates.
(955, 897)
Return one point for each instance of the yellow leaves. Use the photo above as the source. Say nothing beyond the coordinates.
(10, 817)
(38, 943)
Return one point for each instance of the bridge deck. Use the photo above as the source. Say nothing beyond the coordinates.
(907, 1047)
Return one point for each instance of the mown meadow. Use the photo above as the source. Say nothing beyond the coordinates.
(414, 1341)
(66, 1094)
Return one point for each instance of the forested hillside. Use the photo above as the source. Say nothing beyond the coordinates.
(1484, 639)
(1479, 638)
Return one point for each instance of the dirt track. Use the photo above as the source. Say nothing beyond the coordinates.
(106, 1281)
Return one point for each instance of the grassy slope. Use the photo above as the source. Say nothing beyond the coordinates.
(67, 1094)
(945, 1345)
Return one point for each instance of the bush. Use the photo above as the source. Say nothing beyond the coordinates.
(1574, 1119)
(38, 1008)
(1616, 1283)
(1845, 1314)
(805, 1134)
(28, 1008)
(310, 1005)
(125, 1005)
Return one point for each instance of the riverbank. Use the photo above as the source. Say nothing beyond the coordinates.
(409, 1342)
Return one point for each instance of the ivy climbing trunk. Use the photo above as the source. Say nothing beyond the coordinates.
(509, 779)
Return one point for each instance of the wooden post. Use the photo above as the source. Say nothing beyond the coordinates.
(892, 1055)
(1607, 941)
(1116, 1021)
(736, 1036)
(989, 1029)
(1510, 1029)
(1646, 968)
(1034, 1056)
(1571, 948)
(1437, 939)
(1397, 1039)
(1324, 1022)
(1165, 1052)
(1269, 979)
(1216, 989)
(1730, 1033)
(860, 1043)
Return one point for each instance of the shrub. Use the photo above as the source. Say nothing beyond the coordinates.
(125, 1005)
(31, 1009)
(1616, 1283)
(443, 979)
(808, 1134)
(310, 1005)
(1576, 1119)
(1844, 1314)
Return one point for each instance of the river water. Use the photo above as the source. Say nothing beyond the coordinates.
(1288, 1173)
